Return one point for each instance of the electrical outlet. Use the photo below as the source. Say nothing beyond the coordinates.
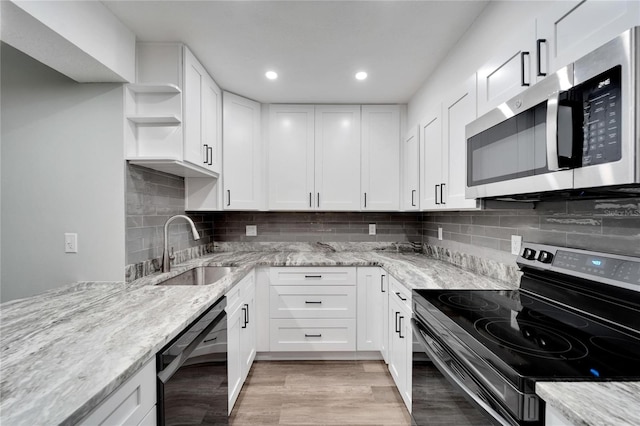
(372, 229)
(516, 244)
(70, 242)
(252, 230)
(440, 232)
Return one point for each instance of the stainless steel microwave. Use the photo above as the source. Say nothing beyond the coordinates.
(573, 134)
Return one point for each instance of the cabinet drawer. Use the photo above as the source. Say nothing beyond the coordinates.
(312, 276)
(397, 290)
(313, 301)
(313, 335)
(130, 403)
(239, 292)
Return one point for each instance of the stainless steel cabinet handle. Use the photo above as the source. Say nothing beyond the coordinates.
(522, 73)
(382, 284)
(313, 302)
(313, 276)
(400, 296)
(539, 53)
(312, 335)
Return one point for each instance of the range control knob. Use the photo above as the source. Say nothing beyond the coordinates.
(529, 254)
(545, 257)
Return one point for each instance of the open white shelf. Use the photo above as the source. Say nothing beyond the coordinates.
(174, 167)
(154, 88)
(167, 120)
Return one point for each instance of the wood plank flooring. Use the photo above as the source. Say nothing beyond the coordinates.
(319, 393)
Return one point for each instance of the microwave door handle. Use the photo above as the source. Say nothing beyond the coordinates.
(552, 132)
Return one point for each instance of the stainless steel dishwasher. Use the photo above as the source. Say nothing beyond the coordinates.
(192, 373)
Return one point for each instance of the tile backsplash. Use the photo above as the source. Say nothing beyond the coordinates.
(152, 198)
(602, 225)
(317, 227)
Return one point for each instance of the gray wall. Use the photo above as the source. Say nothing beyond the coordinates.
(152, 198)
(317, 226)
(62, 171)
(603, 225)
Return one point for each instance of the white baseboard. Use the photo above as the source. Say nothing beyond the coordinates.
(319, 356)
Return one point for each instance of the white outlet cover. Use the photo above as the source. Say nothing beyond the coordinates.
(372, 229)
(252, 230)
(439, 232)
(70, 242)
(516, 244)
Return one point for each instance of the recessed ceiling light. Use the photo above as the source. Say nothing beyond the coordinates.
(361, 75)
(271, 75)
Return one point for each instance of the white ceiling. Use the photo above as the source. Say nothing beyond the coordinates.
(316, 47)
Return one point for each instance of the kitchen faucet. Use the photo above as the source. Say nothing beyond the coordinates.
(166, 258)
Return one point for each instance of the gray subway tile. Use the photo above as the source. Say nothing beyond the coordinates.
(581, 225)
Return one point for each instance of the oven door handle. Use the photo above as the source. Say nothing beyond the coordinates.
(452, 377)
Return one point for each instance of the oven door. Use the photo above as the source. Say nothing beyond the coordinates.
(527, 145)
(484, 409)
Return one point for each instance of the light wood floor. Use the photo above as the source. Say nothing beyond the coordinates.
(319, 393)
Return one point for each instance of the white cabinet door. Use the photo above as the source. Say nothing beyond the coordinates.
(194, 75)
(411, 170)
(291, 157)
(241, 154)
(510, 71)
(248, 331)
(235, 321)
(383, 310)
(431, 164)
(569, 30)
(337, 157)
(370, 306)
(458, 109)
(400, 348)
(380, 157)
(211, 125)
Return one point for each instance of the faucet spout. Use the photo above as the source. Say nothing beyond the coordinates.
(166, 258)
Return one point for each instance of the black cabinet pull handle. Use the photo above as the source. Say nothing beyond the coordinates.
(400, 296)
(413, 193)
(312, 335)
(313, 276)
(522, 82)
(206, 153)
(539, 52)
(400, 328)
(210, 155)
(318, 205)
(210, 340)
(229, 197)
(244, 309)
(247, 312)
(397, 328)
(309, 199)
(382, 284)
(441, 191)
(365, 200)
(436, 193)
(313, 302)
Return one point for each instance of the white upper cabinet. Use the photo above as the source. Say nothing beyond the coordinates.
(458, 110)
(173, 113)
(431, 159)
(569, 30)
(411, 170)
(337, 157)
(291, 157)
(510, 71)
(380, 157)
(443, 150)
(242, 153)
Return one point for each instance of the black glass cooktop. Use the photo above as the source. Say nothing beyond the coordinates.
(536, 338)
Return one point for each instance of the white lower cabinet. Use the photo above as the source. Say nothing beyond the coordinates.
(241, 334)
(400, 339)
(133, 403)
(371, 306)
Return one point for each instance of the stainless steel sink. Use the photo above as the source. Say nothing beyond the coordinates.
(202, 275)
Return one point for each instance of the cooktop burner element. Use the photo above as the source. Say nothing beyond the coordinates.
(467, 301)
(546, 315)
(620, 347)
(532, 339)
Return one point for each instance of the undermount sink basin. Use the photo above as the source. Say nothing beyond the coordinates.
(202, 275)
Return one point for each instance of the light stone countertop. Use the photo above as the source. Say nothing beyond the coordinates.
(66, 350)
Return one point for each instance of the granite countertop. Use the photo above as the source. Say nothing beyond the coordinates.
(66, 350)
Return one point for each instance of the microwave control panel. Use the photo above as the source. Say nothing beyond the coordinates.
(602, 110)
